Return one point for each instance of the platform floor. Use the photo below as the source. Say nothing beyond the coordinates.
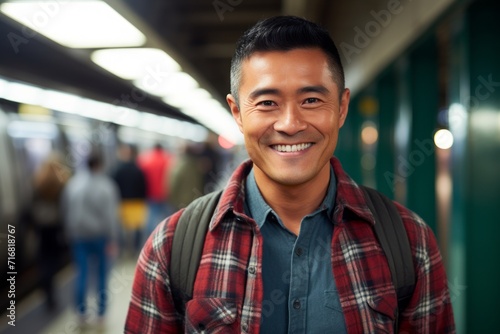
(33, 317)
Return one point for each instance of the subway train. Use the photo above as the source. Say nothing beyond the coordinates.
(24, 143)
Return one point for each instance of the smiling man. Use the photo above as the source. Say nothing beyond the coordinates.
(291, 246)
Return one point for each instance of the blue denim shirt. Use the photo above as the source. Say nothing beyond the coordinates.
(299, 287)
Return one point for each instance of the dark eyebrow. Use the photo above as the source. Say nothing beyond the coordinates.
(264, 91)
(273, 91)
(313, 89)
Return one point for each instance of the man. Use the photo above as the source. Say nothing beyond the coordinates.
(90, 209)
(291, 246)
(131, 182)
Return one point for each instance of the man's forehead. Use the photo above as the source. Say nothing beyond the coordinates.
(270, 60)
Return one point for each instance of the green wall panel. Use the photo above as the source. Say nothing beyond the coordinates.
(387, 99)
(483, 192)
(420, 161)
(349, 146)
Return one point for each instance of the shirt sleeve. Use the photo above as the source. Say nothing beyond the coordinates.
(429, 309)
(151, 308)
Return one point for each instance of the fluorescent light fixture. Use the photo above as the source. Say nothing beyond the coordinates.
(150, 122)
(214, 116)
(155, 72)
(76, 24)
(96, 110)
(69, 103)
(199, 104)
(184, 99)
(22, 93)
(167, 84)
(3, 86)
(61, 101)
(136, 63)
(127, 117)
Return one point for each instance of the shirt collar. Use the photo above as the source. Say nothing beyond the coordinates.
(349, 196)
(346, 195)
(257, 208)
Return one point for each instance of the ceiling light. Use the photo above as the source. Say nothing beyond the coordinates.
(184, 99)
(76, 24)
(22, 93)
(69, 103)
(214, 116)
(65, 102)
(168, 84)
(147, 64)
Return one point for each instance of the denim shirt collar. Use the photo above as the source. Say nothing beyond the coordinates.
(257, 208)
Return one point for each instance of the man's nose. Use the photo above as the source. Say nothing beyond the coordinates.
(290, 120)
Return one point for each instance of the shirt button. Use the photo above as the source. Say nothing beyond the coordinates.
(251, 270)
(273, 218)
(296, 304)
(299, 251)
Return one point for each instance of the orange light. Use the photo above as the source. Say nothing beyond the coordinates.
(369, 135)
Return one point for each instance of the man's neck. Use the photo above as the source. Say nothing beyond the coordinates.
(293, 202)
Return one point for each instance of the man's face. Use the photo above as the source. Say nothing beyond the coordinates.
(290, 114)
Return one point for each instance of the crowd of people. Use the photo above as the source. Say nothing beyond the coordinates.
(104, 211)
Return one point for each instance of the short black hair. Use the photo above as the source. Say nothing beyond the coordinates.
(284, 33)
(95, 160)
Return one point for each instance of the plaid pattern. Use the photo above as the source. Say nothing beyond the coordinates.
(228, 291)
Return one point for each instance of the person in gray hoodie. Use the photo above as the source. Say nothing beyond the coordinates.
(90, 210)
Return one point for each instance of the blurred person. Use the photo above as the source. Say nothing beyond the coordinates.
(131, 182)
(210, 160)
(156, 165)
(186, 180)
(291, 246)
(48, 183)
(90, 208)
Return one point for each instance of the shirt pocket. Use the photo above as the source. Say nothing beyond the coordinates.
(332, 300)
(211, 315)
(332, 315)
(383, 312)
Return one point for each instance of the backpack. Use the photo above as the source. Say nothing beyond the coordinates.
(189, 238)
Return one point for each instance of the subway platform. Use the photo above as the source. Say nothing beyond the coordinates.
(32, 315)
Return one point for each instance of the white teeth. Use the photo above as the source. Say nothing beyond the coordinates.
(291, 148)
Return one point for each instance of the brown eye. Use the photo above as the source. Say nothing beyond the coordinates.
(266, 103)
(311, 100)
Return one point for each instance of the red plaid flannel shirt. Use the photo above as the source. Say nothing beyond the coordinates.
(228, 291)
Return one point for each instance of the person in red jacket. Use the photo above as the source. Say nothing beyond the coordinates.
(291, 246)
(156, 165)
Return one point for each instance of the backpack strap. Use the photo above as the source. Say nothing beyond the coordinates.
(391, 234)
(187, 246)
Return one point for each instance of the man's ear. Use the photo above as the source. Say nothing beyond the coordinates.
(344, 106)
(235, 110)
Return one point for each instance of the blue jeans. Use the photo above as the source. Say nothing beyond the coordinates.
(90, 253)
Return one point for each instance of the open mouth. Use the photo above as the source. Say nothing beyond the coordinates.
(291, 148)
